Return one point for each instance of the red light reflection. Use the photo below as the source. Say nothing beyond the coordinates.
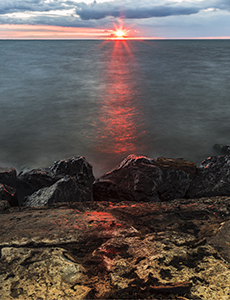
(118, 127)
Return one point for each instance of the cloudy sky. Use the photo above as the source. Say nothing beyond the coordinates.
(96, 19)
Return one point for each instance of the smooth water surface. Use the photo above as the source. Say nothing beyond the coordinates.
(105, 100)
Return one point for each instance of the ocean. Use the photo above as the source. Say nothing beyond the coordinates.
(105, 100)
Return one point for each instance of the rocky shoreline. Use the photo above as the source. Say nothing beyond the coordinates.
(149, 229)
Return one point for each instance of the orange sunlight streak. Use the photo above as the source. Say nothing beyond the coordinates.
(117, 128)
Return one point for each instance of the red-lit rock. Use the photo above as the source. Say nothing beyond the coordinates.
(138, 178)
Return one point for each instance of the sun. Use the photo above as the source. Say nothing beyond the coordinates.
(119, 33)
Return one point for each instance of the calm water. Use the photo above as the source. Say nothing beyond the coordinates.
(105, 100)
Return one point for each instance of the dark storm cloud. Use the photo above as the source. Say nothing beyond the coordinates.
(144, 9)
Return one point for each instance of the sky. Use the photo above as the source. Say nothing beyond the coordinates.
(153, 19)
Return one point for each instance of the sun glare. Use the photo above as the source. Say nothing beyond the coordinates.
(120, 33)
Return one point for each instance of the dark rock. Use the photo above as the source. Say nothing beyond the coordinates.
(138, 178)
(8, 175)
(34, 180)
(177, 164)
(9, 194)
(76, 167)
(212, 178)
(64, 190)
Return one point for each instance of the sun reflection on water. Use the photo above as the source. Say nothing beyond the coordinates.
(118, 128)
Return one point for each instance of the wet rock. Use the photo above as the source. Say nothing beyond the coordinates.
(64, 190)
(212, 178)
(8, 176)
(76, 167)
(9, 194)
(138, 178)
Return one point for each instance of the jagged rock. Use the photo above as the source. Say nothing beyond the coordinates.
(8, 176)
(76, 167)
(177, 164)
(212, 178)
(64, 190)
(138, 178)
(34, 180)
(9, 194)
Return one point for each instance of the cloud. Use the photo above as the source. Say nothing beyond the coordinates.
(7, 6)
(72, 13)
(145, 9)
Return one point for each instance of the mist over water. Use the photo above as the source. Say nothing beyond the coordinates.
(105, 100)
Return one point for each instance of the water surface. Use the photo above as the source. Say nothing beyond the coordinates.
(105, 100)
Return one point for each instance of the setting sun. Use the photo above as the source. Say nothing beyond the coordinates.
(120, 33)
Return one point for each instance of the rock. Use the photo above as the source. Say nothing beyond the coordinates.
(103, 250)
(138, 178)
(9, 194)
(34, 180)
(76, 167)
(64, 190)
(177, 164)
(221, 241)
(8, 176)
(212, 178)
(41, 274)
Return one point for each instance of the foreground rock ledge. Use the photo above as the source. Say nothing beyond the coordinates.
(128, 250)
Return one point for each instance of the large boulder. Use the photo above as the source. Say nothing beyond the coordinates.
(76, 167)
(138, 178)
(212, 178)
(64, 190)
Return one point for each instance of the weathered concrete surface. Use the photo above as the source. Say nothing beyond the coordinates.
(126, 250)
